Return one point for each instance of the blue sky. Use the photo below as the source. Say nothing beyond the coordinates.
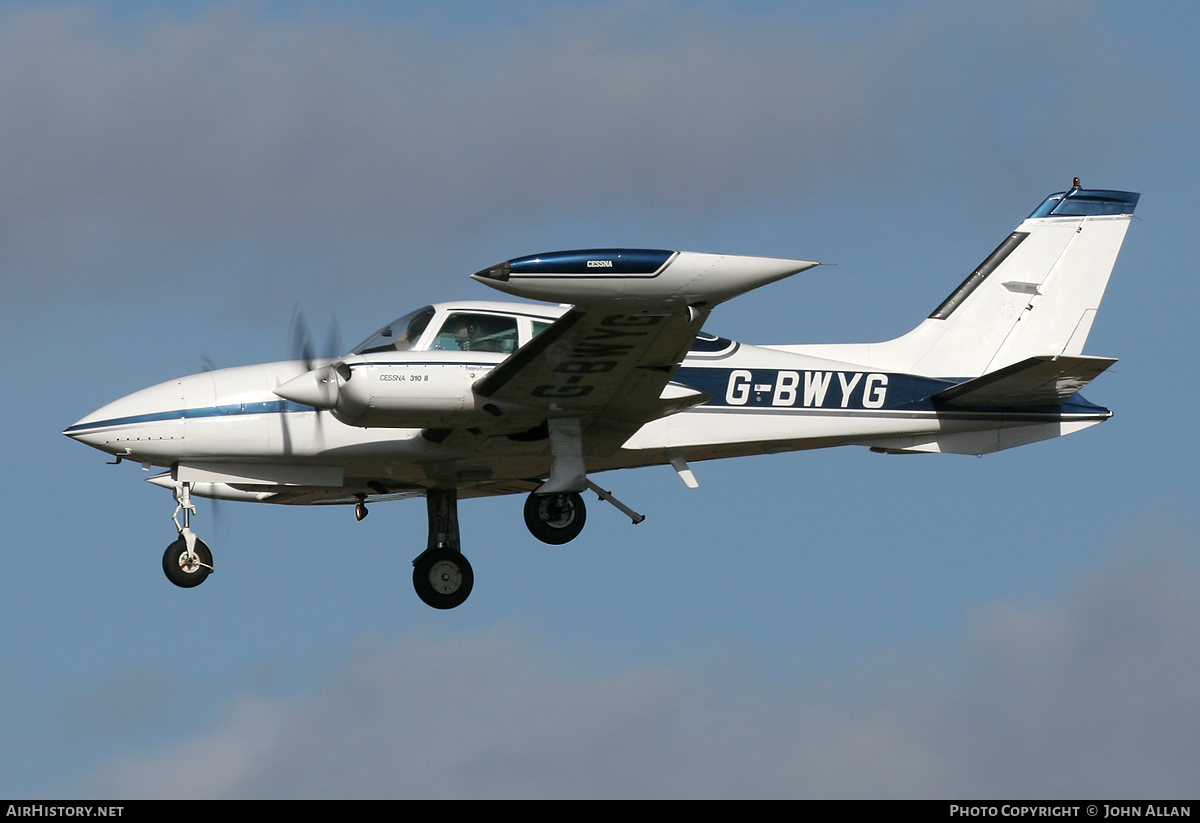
(177, 177)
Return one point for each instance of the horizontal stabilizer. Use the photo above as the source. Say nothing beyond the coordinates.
(1037, 381)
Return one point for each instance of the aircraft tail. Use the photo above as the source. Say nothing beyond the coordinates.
(1036, 294)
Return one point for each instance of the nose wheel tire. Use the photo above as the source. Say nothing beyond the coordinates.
(443, 579)
(185, 571)
(555, 518)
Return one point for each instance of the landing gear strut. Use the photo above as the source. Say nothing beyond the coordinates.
(188, 561)
(555, 518)
(441, 574)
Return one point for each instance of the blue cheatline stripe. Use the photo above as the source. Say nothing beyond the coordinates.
(264, 407)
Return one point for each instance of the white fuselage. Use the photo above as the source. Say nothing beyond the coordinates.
(761, 400)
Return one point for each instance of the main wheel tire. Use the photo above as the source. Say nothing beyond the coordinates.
(443, 579)
(180, 571)
(555, 518)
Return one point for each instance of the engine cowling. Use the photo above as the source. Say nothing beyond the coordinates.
(391, 395)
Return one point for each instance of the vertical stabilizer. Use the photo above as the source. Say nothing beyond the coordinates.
(1036, 294)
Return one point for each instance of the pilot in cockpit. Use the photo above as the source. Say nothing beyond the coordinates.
(478, 333)
(462, 332)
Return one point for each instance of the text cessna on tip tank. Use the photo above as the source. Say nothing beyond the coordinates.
(469, 399)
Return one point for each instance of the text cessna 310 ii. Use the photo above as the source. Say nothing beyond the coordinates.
(461, 400)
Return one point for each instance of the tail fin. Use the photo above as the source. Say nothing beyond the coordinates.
(1036, 294)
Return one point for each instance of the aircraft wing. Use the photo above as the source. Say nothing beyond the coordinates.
(606, 367)
(608, 361)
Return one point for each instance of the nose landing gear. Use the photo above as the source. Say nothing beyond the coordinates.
(188, 561)
(187, 566)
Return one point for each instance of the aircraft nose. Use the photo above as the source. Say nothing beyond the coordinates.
(88, 430)
(140, 422)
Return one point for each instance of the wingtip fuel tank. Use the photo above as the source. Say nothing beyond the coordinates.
(636, 277)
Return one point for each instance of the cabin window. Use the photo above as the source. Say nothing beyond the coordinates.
(478, 332)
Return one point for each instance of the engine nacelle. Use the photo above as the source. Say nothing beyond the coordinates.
(390, 395)
(405, 395)
(637, 279)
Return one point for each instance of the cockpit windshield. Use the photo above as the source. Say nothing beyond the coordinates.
(399, 335)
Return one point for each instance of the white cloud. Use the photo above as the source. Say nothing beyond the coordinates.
(1090, 697)
(211, 765)
(193, 139)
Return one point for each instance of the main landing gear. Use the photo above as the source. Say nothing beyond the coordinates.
(441, 574)
(555, 518)
(188, 561)
(555, 513)
(558, 518)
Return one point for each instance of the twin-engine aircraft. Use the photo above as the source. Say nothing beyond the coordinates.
(459, 400)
